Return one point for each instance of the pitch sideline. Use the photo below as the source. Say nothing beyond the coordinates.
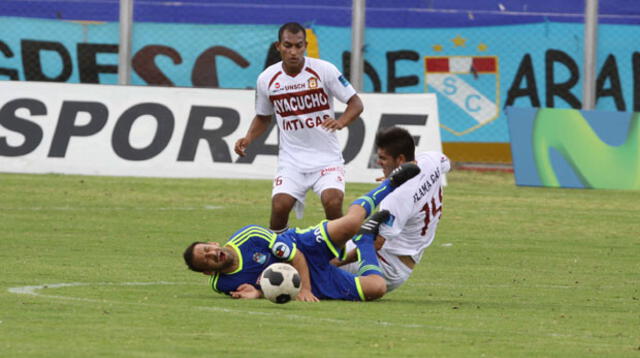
(34, 291)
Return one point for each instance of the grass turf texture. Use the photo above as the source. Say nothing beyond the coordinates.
(525, 272)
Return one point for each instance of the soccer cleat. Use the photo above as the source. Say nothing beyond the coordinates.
(371, 226)
(403, 173)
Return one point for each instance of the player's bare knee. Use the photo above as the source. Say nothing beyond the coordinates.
(332, 205)
(375, 287)
(333, 213)
(332, 201)
(282, 204)
(356, 212)
(351, 225)
(279, 218)
(279, 208)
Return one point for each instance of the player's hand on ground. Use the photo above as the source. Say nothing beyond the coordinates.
(332, 125)
(241, 146)
(246, 291)
(306, 296)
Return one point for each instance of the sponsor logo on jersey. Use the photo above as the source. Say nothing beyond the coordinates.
(295, 87)
(277, 85)
(390, 220)
(298, 103)
(296, 124)
(281, 250)
(325, 171)
(259, 257)
(343, 80)
(313, 82)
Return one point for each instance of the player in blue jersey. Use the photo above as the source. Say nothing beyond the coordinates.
(236, 266)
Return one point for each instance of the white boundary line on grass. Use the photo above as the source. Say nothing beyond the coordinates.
(34, 291)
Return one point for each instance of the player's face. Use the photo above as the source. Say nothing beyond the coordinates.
(387, 162)
(211, 257)
(292, 47)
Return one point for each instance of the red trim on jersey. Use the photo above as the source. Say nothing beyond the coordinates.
(298, 103)
(274, 78)
(382, 258)
(312, 72)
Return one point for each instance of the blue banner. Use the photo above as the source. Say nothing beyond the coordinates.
(379, 13)
(478, 70)
(575, 149)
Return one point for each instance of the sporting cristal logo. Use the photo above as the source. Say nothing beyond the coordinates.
(469, 83)
(281, 250)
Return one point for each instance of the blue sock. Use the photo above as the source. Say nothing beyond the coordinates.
(370, 200)
(369, 264)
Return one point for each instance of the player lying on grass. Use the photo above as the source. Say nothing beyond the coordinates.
(415, 208)
(236, 266)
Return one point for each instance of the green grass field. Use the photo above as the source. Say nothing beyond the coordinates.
(92, 267)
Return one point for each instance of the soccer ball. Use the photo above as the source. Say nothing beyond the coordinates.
(280, 282)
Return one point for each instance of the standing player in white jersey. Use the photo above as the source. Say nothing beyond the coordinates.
(415, 207)
(299, 90)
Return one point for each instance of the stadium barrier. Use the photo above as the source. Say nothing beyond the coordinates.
(477, 57)
(575, 149)
(176, 132)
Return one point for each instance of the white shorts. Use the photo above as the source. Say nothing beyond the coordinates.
(295, 183)
(395, 272)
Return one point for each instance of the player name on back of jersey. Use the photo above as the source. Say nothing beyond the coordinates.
(426, 186)
(302, 102)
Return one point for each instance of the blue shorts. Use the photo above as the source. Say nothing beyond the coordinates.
(327, 281)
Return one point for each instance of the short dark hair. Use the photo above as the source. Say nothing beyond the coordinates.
(396, 141)
(292, 27)
(188, 257)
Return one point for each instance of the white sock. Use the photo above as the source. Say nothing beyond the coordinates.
(281, 230)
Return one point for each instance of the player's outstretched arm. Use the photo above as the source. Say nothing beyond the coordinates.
(353, 110)
(246, 291)
(300, 264)
(258, 126)
(352, 255)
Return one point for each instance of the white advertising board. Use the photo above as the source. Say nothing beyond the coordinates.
(175, 132)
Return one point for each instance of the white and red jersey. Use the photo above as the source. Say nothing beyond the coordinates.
(301, 103)
(416, 208)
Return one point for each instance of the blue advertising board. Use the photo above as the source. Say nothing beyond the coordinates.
(575, 149)
(537, 50)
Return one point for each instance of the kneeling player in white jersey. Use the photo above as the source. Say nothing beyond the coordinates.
(415, 207)
(299, 91)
